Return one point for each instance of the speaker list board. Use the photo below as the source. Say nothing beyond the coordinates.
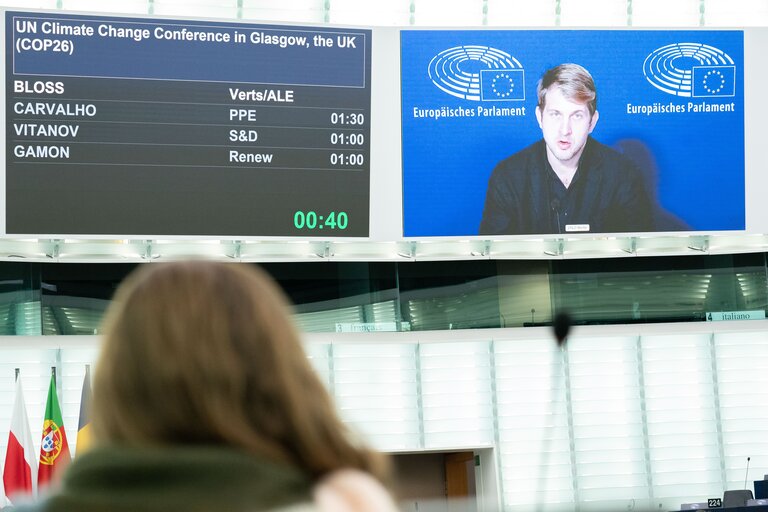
(127, 126)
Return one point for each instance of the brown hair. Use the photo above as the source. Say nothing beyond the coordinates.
(573, 80)
(206, 353)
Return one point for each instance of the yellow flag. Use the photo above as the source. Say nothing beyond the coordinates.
(84, 425)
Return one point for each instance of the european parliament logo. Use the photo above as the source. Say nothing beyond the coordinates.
(691, 70)
(478, 73)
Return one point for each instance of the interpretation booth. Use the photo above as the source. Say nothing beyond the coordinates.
(432, 182)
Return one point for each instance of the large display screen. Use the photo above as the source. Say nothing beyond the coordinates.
(162, 127)
(630, 131)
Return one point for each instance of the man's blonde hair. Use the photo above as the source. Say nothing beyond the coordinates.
(574, 81)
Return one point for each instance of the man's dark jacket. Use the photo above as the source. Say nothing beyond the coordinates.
(608, 193)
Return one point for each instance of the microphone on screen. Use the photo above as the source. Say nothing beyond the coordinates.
(561, 325)
(555, 206)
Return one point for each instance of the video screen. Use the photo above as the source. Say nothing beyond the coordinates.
(572, 131)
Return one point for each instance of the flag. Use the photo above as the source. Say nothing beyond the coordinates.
(84, 424)
(714, 81)
(20, 470)
(54, 450)
(502, 84)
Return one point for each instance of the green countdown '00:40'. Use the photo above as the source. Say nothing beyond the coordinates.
(312, 220)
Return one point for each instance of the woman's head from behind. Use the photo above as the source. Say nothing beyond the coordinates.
(206, 353)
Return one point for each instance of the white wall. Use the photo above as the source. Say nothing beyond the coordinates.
(651, 414)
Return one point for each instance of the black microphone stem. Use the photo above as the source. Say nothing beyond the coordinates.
(746, 475)
(561, 327)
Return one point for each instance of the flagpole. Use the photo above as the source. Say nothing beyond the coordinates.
(53, 374)
(17, 374)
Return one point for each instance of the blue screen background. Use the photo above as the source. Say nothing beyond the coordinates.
(699, 156)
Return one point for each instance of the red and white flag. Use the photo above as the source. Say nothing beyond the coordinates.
(20, 470)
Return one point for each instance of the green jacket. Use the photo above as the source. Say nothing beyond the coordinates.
(167, 479)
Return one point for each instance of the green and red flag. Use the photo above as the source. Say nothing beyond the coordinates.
(54, 449)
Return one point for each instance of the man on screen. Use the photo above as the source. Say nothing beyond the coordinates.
(567, 182)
